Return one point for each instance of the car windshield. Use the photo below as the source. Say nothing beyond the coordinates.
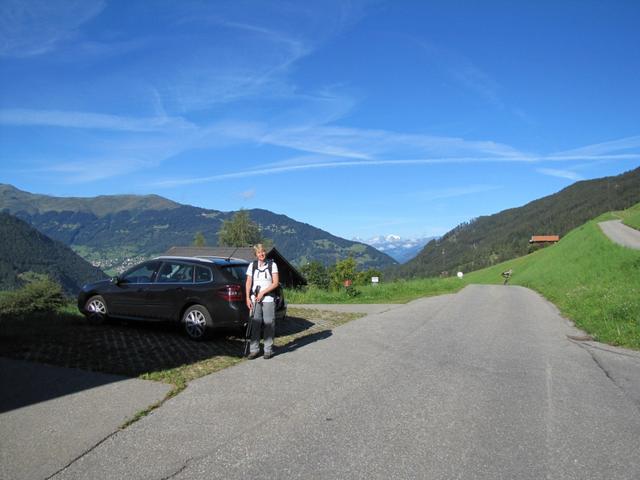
(141, 274)
(236, 271)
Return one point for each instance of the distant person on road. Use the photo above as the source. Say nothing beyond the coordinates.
(263, 278)
(506, 275)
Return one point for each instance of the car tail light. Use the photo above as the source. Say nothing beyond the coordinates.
(231, 293)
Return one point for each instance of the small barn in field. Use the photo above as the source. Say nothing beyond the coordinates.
(289, 276)
(544, 239)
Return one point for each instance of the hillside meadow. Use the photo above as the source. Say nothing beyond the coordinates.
(631, 216)
(591, 280)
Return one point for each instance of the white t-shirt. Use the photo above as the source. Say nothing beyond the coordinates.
(262, 278)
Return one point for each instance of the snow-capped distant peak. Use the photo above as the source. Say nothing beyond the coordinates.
(395, 246)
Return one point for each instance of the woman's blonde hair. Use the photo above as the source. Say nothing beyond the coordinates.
(258, 248)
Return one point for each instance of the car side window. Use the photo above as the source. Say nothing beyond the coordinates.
(174, 272)
(203, 274)
(142, 274)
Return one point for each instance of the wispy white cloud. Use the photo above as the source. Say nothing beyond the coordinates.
(464, 72)
(95, 169)
(332, 157)
(569, 175)
(618, 145)
(328, 163)
(363, 144)
(453, 192)
(251, 60)
(35, 27)
(56, 118)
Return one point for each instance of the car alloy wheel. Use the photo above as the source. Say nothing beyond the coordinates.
(197, 321)
(96, 309)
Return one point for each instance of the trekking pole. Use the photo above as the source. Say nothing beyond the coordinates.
(247, 334)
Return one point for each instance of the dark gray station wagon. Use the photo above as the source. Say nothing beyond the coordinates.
(202, 293)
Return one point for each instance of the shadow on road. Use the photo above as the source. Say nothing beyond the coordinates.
(118, 349)
(302, 341)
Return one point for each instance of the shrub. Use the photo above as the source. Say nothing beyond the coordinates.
(39, 295)
(364, 278)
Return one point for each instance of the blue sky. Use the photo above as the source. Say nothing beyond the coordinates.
(361, 118)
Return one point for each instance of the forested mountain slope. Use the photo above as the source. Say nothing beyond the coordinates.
(24, 249)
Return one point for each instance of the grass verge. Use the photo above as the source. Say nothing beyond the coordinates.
(400, 291)
(631, 216)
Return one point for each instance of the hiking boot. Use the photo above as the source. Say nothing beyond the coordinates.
(253, 355)
(268, 355)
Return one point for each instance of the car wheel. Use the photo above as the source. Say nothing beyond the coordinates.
(96, 309)
(197, 322)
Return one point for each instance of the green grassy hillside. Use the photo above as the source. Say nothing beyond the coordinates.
(593, 281)
(631, 216)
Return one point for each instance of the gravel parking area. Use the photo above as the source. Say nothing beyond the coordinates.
(136, 348)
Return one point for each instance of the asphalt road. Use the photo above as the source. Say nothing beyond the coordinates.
(621, 234)
(51, 415)
(483, 384)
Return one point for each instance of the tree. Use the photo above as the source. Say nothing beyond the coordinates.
(199, 240)
(316, 274)
(343, 270)
(240, 231)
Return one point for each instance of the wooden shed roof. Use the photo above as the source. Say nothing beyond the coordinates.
(544, 238)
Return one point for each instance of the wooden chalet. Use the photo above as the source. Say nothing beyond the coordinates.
(544, 239)
(289, 276)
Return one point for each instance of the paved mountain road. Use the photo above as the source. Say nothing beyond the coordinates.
(621, 234)
(483, 384)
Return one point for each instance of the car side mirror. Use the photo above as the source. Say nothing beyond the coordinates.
(115, 280)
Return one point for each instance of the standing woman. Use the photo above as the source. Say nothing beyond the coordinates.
(264, 274)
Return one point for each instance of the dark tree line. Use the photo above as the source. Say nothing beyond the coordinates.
(23, 249)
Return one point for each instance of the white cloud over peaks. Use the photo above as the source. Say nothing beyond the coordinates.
(34, 27)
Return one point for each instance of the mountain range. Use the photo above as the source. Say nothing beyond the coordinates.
(115, 231)
(488, 240)
(400, 249)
